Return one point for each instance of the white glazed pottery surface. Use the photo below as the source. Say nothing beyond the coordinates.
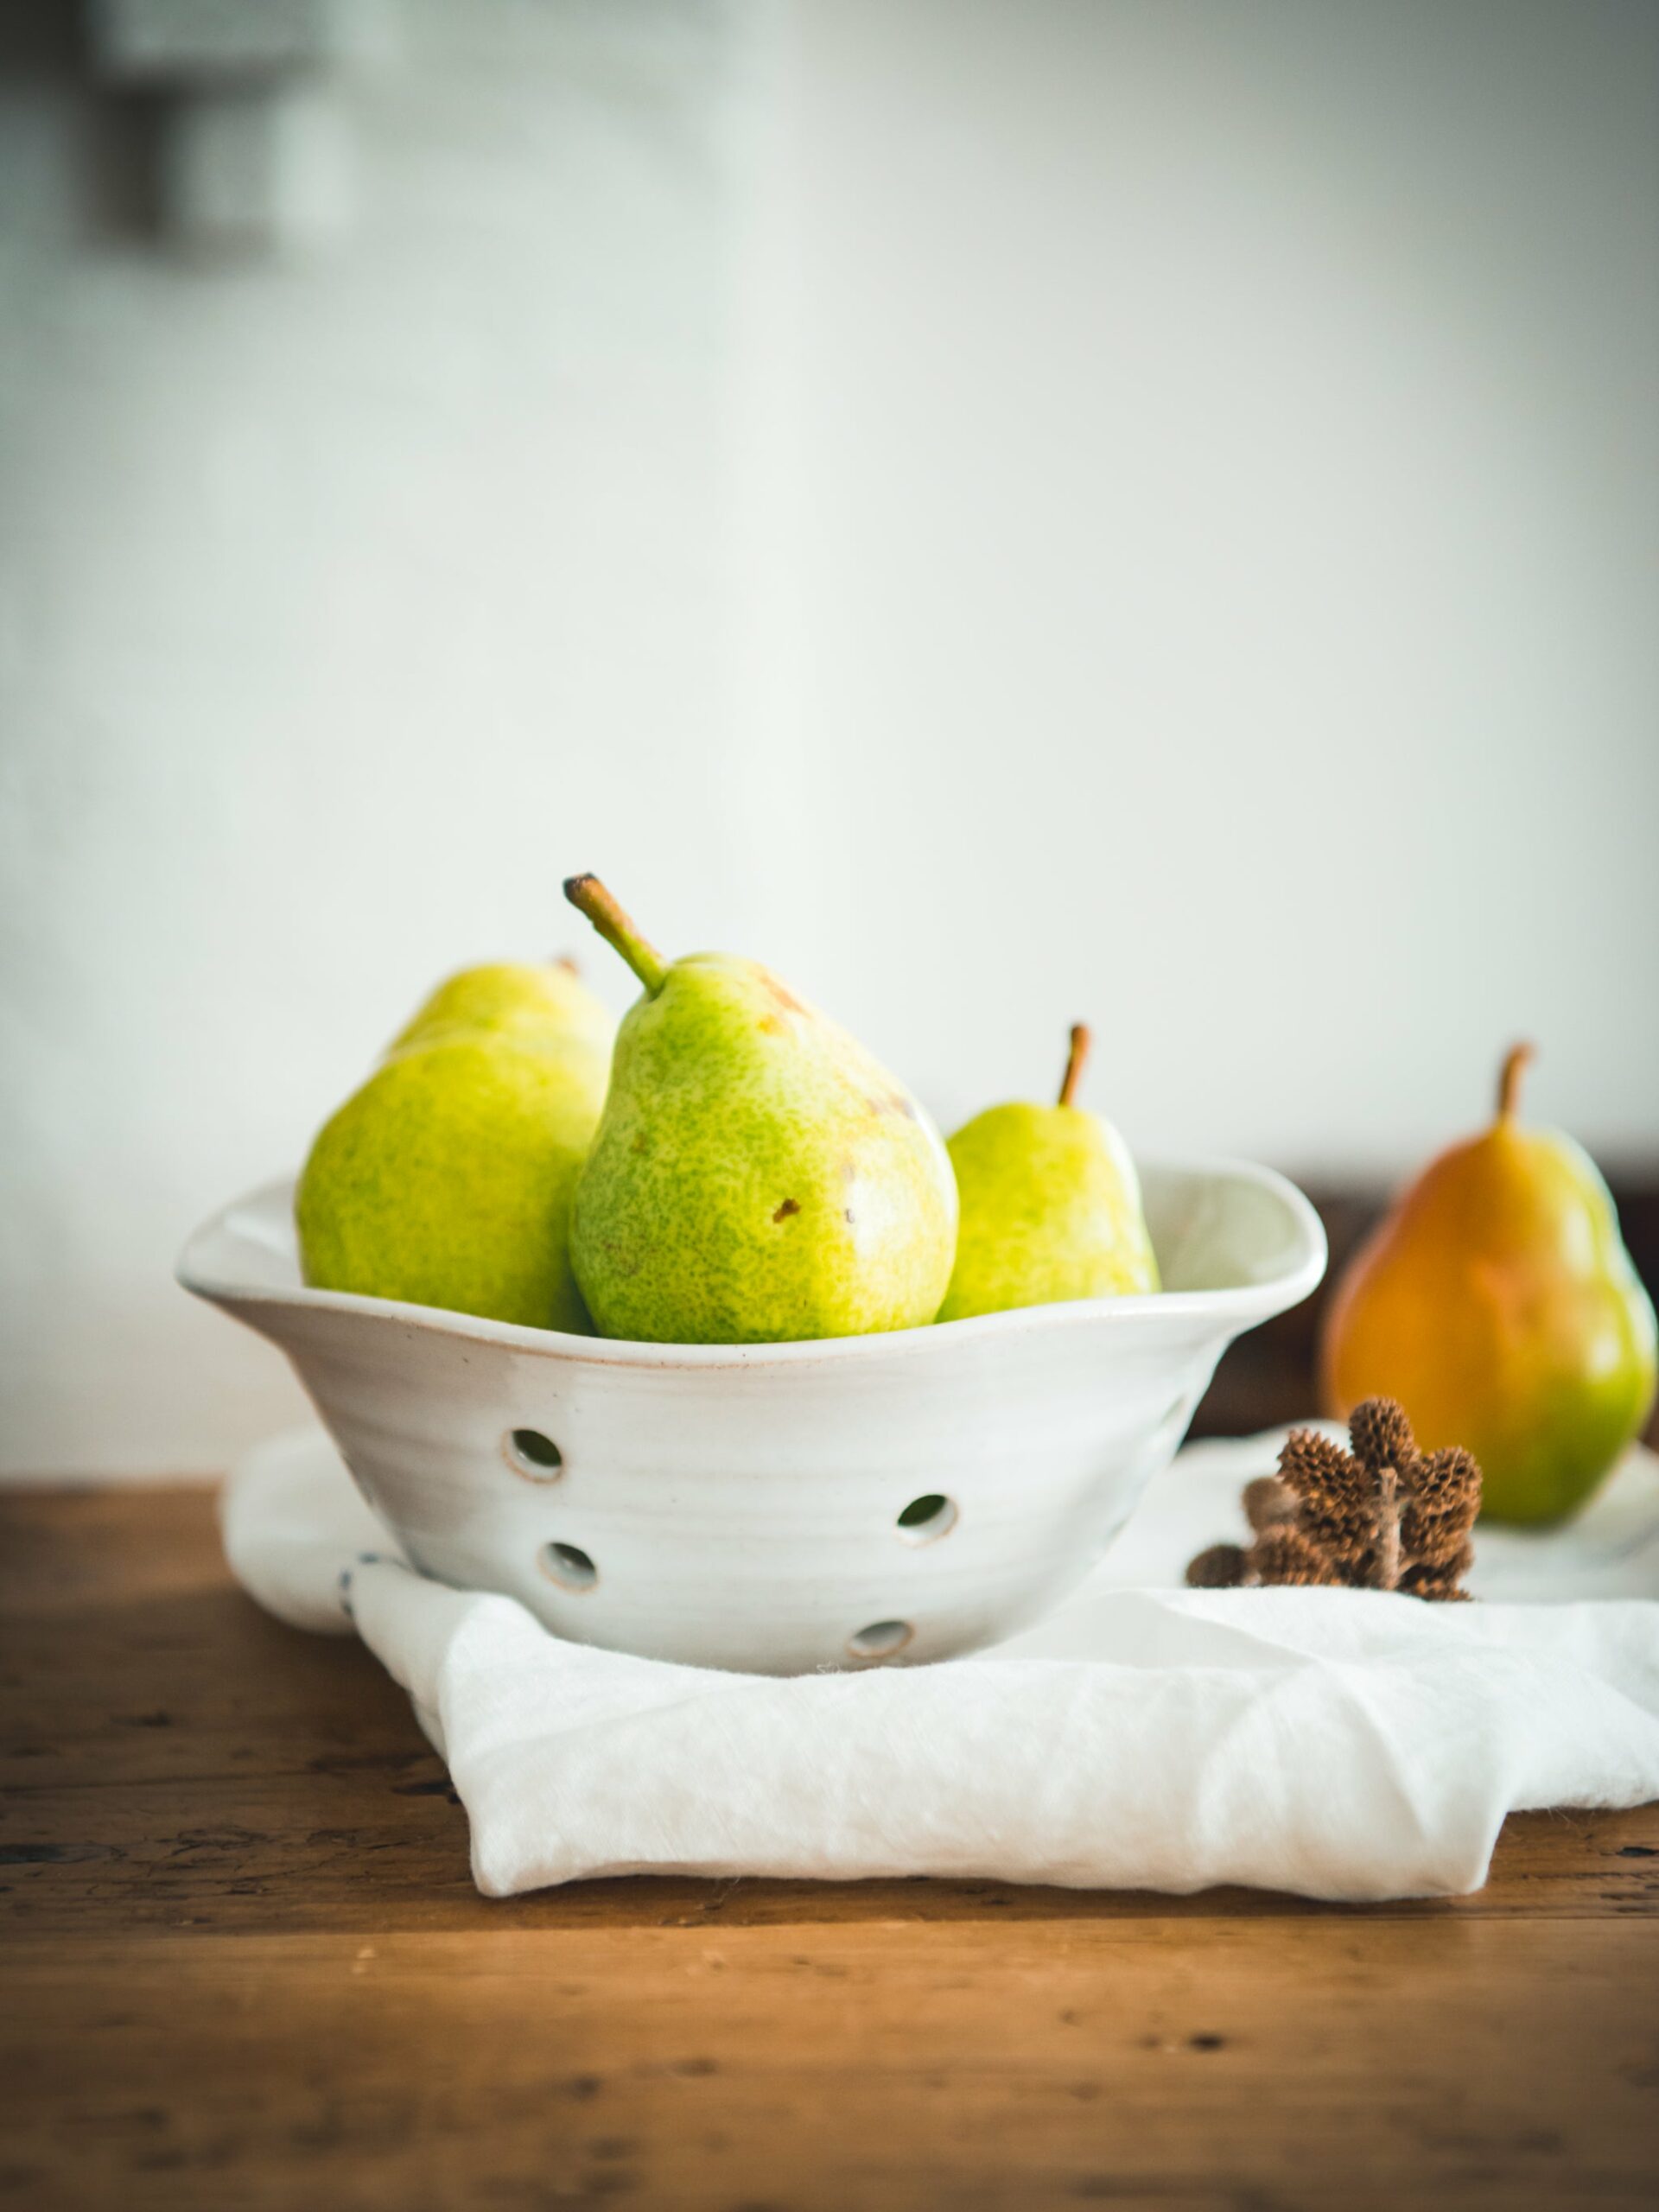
(739, 1505)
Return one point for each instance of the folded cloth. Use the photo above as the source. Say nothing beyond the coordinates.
(1340, 1744)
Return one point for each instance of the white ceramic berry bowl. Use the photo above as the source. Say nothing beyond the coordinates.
(776, 1508)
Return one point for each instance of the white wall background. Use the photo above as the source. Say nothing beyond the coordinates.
(1013, 509)
(1229, 541)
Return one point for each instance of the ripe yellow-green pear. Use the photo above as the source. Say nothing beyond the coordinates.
(757, 1176)
(445, 1179)
(1497, 1301)
(1050, 1207)
(513, 995)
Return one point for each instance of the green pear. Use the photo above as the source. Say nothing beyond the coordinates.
(757, 1176)
(513, 995)
(1050, 1207)
(445, 1179)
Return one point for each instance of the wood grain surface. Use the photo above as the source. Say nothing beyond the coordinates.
(243, 1965)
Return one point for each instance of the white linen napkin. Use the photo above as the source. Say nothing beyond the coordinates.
(1339, 1743)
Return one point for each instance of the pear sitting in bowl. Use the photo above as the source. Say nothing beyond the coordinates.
(445, 1179)
(515, 998)
(1050, 1207)
(757, 1176)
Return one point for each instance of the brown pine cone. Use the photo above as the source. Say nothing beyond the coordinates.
(1354, 1559)
(1221, 1567)
(1447, 1484)
(1288, 1555)
(1425, 1535)
(1439, 1584)
(1382, 1516)
(1330, 1483)
(1268, 1501)
(1381, 1435)
(1335, 1498)
(1447, 1551)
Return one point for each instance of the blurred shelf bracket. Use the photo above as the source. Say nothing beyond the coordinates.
(253, 148)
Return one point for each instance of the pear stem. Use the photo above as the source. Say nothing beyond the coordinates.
(1074, 1060)
(588, 896)
(1516, 1061)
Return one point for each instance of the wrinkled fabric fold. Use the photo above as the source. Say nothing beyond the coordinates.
(1336, 1744)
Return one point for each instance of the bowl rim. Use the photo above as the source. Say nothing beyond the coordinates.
(1231, 1309)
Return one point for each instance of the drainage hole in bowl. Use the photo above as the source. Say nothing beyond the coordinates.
(881, 1640)
(568, 1567)
(529, 1452)
(926, 1518)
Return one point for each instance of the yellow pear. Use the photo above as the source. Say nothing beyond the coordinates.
(1050, 1206)
(1497, 1302)
(445, 1179)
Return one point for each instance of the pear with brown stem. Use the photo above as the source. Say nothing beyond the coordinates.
(757, 1178)
(1050, 1206)
(1497, 1303)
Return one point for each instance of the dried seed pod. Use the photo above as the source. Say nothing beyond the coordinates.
(1383, 1516)
(1221, 1567)
(1381, 1435)
(1434, 1536)
(1288, 1555)
(1439, 1584)
(1325, 1478)
(1267, 1501)
(1335, 1498)
(1446, 1483)
(1423, 1537)
(1451, 1553)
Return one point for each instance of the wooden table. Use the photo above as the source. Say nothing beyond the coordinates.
(246, 1968)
